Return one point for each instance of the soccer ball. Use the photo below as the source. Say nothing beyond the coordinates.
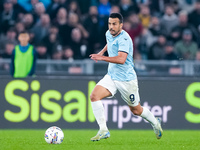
(54, 135)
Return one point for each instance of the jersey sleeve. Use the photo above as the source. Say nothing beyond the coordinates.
(124, 45)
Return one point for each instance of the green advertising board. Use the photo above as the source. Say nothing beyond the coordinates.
(65, 102)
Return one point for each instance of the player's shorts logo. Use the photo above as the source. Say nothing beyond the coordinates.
(132, 98)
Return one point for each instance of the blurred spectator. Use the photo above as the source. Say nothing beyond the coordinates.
(74, 22)
(115, 9)
(139, 66)
(133, 26)
(39, 10)
(169, 51)
(186, 48)
(145, 40)
(157, 50)
(91, 24)
(74, 8)
(157, 7)
(61, 17)
(19, 27)
(127, 6)
(68, 54)
(77, 44)
(28, 21)
(41, 29)
(53, 9)
(10, 37)
(9, 46)
(156, 28)
(23, 60)
(169, 19)
(176, 6)
(7, 16)
(18, 8)
(194, 16)
(183, 24)
(41, 51)
(104, 8)
(175, 35)
(57, 53)
(51, 40)
(144, 16)
(187, 5)
(53, 29)
(29, 5)
(64, 29)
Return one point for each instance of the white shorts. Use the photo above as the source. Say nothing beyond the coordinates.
(128, 89)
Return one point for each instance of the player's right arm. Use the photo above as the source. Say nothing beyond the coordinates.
(103, 50)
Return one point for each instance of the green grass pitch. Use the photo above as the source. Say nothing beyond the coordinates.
(119, 140)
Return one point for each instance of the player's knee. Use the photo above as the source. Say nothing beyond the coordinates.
(93, 97)
(136, 112)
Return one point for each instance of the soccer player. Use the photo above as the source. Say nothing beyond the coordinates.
(121, 76)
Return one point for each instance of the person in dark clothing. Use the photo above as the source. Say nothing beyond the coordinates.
(156, 28)
(53, 9)
(169, 51)
(77, 44)
(91, 24)
(194, 16)
(184, 24)
(157, 51)
(9, 46)
(127, 6)
(51, 40)
(41, 51)
(7, 16)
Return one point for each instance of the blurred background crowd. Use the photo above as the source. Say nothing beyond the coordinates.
(73, 29)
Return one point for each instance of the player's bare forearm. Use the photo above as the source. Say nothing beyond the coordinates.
(120, 59)
(116, 59)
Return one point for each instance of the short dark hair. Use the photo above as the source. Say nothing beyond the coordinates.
(117, 15)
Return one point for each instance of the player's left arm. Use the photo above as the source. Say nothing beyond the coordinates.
(119, 59)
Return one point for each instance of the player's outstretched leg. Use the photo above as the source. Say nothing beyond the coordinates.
(147, 115)
(98, 111)
(98, 93)
(102, 134)
(158, 129)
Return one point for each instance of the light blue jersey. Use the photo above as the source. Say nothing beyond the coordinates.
(123, 43)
